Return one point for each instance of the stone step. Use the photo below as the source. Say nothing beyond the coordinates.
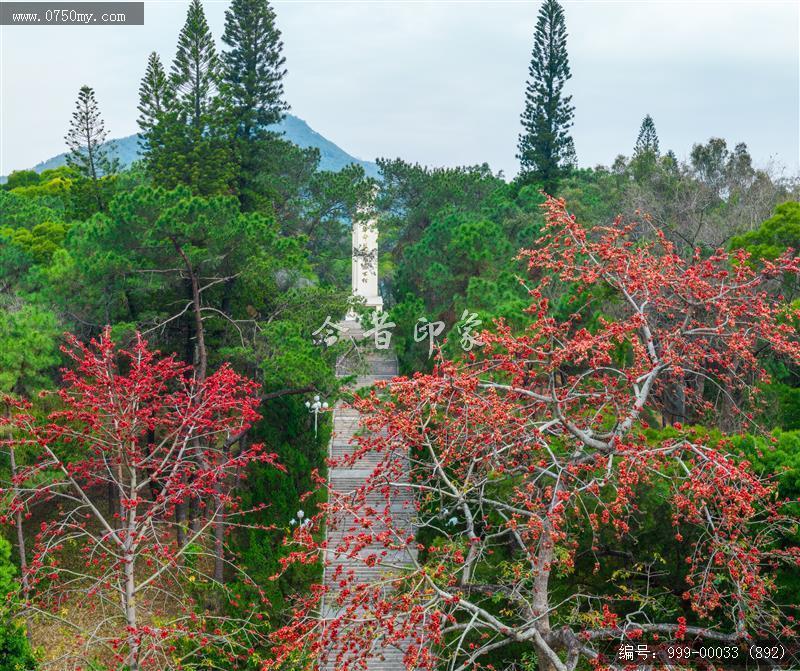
(363, 463)
(345, 415)
(348, 439)
(342, 451)
(368, 366)
(341, 448)
(349, 449)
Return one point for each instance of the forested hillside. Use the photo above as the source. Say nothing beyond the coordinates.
(127, 150)
(600, 403)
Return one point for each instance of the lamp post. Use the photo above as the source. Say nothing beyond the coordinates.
(315, 408)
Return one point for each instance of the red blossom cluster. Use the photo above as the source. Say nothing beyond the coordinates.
(135, 439)
(496, 472)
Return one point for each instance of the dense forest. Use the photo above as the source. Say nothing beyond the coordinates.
(159, 343)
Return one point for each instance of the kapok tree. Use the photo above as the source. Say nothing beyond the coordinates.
(143, 426)
(520, 459)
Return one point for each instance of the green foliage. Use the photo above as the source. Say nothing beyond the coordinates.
(58, 187)
(130, 266)
(40, 242)
(180, 154)
(719, 168)
(405, 314)
(261, 304)
(454, 249)
(8, 572)
(23, 208)
(186, 142)
(253, 67)
(317, 205)
(195, 70)
(85, 138)
(19, 178)
(252, 86)
(88, 156)
(788, 405)
(269, 235)
(545, 150)
(288, 429)
(647, 140)
(778, 453)
(594, 195)
(32, 229)
(777, 234)
(411, 195)
(28, 349)
(15, 653)
(154, 97)
(645, 151)
(453, 235)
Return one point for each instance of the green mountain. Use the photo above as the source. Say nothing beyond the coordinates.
(333, 157)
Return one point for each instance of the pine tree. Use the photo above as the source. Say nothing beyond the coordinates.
(546, 149)
(669, 163)
(253, 68)
(647, 141)
(195, 71)
(85, 138)
(154, 96)
(189, 143)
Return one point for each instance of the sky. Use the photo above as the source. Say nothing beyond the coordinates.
(441, 82)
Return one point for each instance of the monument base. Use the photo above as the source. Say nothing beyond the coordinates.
(374, 303)
(371, 303)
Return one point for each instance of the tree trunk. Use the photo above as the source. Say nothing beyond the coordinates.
(180, 524)
(219, 535)
(194, 515)
(201, 362)
(23, 562)
(129, 558)
(674, 404)
(130, 613)
(541, 591)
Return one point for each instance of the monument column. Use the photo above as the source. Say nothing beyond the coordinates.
(365, 262)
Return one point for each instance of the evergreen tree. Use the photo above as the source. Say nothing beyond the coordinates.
(253, 71)
(253, 67)
(647, 141)
(669, 163)
(546, 149)
(195, 71)
(154, 94)
(85, 137)
(189, 144)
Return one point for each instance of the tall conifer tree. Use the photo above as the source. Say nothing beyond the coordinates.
(252, 90)
(546, 150)
(253, 68)
(188, 142)
(647, 140)
(195, 71)
(154, 95)
(85, 137)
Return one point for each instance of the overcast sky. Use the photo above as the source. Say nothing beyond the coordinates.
(442, 82)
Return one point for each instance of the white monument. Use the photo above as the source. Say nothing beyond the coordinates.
(365, 261)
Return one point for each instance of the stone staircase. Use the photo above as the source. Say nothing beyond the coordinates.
(369, 365)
